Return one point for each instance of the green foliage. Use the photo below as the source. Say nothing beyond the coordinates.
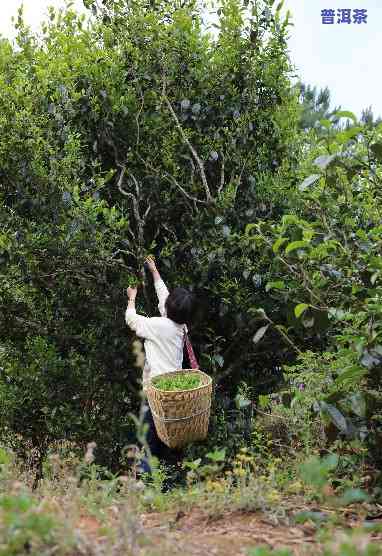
(315, 106)
(325, 254)
(344, 547)
(138, 133)
(264, 551)
(315, 472)
(24, 529)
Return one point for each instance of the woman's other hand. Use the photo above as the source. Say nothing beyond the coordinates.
(132, 293)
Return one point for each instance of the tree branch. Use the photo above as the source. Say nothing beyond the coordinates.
(140, 223)
(171, 178)
(222, 176)
(138, 116)
(209, 198)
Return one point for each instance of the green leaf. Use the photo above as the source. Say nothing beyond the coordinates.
(376, 149)
(336, 416)
(345, 114)
(316, 517)
(260, 333)
(337, 314)
(358, 404)
(193, 465)
(263, 401)
(4, 457)
(352, 132)
(326, 123)
(308, 182)
(278, 285)
(242, 402)
(248, 228)
(296, 245)
(300, 309)
(258, 311)
(323, 161)
(315, 471)
(352, 496)
(352, 375)
(279, 6)
(278, 243)
(217, 455)
(290, 219)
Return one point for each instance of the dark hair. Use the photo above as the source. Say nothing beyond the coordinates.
(181, 306)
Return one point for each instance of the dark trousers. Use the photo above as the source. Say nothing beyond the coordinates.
(157, 447)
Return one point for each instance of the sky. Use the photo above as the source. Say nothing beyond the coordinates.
(344, 57)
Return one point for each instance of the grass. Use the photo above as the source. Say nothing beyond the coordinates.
(74, 511)
(177, 382)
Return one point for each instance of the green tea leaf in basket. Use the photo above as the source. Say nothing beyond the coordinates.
(177, 382)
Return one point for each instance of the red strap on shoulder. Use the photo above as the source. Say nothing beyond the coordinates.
(191, 355)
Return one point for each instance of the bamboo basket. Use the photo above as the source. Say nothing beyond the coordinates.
(181, 416)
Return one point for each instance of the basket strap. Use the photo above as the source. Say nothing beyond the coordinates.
(190, 352)
(171, 419)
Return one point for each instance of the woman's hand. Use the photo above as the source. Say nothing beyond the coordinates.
(132, 293)
(153, 269)
(151, 264)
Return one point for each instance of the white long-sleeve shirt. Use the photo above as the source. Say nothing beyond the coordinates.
(164, 339)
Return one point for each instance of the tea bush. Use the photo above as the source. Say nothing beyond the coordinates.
(139, 132)
(136, 132)
(325, 262)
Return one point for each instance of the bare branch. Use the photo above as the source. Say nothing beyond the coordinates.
(137, 188)
(140, 224)
(132, 235)
(44, 330)
(222, 176)
(147, 212)
(192, 169)
(171, 178)
(120, 181)
(243, 168)
(198, 161)
(111, 144)
(127, 251)
(137, 118)
(170, 231)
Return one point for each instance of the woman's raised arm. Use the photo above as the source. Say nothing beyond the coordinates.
(160, 286)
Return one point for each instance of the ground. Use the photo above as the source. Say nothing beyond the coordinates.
(196, 533)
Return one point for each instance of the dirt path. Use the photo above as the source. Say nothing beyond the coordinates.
(231, 535)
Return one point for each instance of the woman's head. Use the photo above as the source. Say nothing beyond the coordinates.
(181, 306)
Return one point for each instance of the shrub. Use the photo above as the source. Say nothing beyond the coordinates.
(139, 133)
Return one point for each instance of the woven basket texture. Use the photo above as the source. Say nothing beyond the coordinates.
(181, 416)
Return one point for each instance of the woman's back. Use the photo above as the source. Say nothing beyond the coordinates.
(164, 338)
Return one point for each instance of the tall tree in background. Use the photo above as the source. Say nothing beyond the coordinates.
(369, 119)
(315, 106)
